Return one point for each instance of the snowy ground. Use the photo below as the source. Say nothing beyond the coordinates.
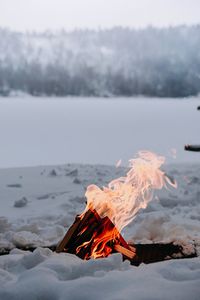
(38, 204)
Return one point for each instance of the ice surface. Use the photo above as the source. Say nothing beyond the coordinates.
(92, 130)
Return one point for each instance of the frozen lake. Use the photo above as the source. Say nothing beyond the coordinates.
(40, 131)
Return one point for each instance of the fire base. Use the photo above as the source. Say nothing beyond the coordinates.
(91, 226)
(91, 236)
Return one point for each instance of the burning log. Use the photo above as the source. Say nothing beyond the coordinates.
(126, 252)
(194, 148)
(91, 236)
(81, 236)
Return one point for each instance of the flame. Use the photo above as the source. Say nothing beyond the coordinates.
(100, 244)
(121, 200)
(125, 196)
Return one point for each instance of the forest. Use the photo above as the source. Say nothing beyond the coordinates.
(160, 62)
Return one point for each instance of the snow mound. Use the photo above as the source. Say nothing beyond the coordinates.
(45, 275)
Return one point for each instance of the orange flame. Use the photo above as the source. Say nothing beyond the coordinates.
(102, 240)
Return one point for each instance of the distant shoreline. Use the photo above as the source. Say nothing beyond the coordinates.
(21, 94)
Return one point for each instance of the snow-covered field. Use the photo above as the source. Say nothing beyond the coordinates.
(38, 204)
(45, 131)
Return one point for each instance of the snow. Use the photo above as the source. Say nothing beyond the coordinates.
(44, 275)
(55, 194)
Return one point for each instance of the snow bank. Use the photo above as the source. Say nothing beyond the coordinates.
(44, 275)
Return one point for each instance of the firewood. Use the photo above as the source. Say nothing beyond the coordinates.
(151, 253)
(61, 245)
(85, 229)
(126, 252)
(76, 226)
(194, 148)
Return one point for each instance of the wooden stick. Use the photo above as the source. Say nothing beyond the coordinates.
(76, 226)
(128, 253)
(194, 148)
(75, 237)
(60, 247)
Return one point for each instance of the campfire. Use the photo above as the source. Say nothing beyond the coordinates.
(96, 233)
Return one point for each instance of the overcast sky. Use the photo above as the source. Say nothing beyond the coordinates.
(55, 14)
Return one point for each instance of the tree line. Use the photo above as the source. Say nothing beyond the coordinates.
(115, 62)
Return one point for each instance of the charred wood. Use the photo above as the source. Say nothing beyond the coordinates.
(151, 253)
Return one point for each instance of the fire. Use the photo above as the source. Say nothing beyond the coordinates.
(125, 196)
(101, 240)
(97, 231)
